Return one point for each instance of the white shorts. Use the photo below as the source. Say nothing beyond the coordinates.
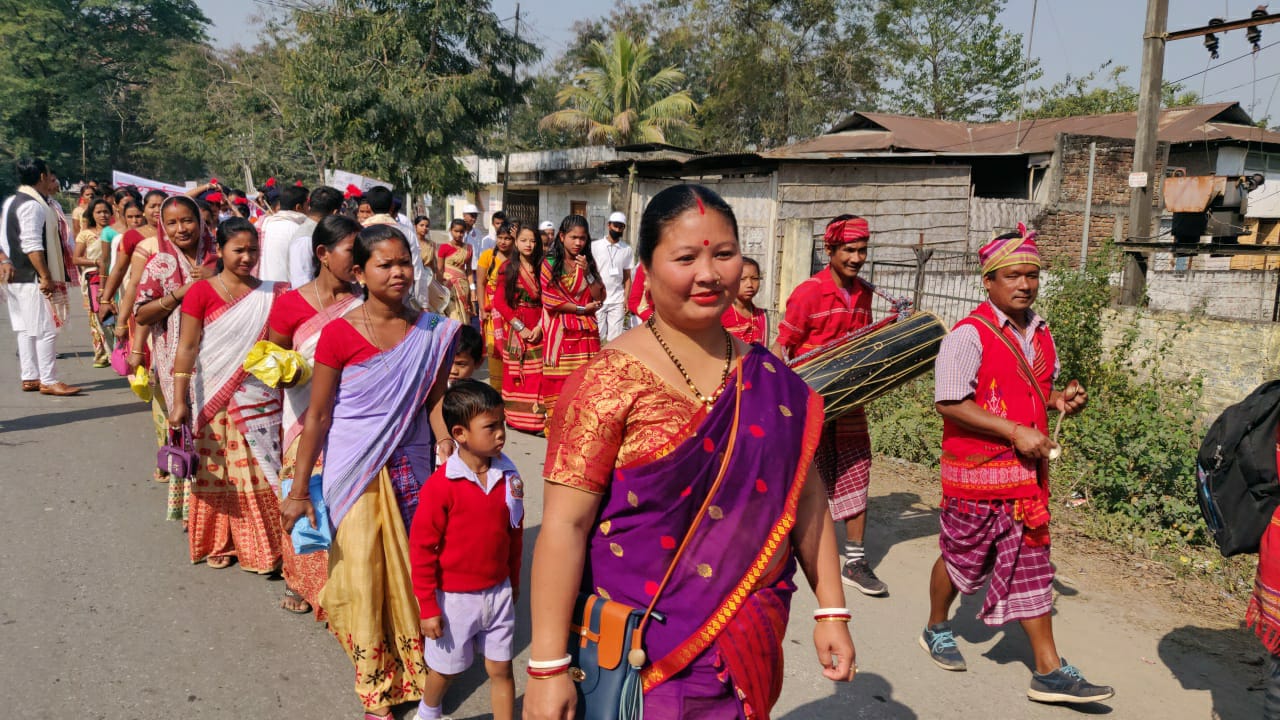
(484, 620)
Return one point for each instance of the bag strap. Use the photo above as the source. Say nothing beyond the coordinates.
(1028, 374)
(706, 504)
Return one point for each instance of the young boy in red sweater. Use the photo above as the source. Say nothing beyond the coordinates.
(465, 547)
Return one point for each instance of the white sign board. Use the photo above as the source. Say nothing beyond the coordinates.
(144, 185)
(1137, 180)
(341, 179)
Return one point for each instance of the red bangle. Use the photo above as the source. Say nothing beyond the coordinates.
(547, 674)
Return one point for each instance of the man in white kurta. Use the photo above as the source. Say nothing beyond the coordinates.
(31, 248)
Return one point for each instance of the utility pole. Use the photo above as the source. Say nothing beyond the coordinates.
(506, 155)
(1144, 148)
(1146, 139)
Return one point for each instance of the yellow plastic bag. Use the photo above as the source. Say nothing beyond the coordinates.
(275, 366)
(140, 384)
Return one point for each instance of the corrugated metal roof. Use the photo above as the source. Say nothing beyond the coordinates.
(886, 133)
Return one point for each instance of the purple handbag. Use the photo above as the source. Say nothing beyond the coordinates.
(177, 457)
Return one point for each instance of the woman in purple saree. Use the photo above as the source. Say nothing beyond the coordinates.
(636, 451)
(380, 373)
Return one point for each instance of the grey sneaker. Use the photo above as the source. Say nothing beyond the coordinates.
(859, 574)
(1066, 685)
(940, 643)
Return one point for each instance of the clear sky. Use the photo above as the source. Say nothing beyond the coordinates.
(1071, 36)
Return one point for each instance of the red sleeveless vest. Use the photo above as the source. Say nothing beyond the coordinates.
(977, 466)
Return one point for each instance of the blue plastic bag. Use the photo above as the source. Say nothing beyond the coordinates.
(307, 539)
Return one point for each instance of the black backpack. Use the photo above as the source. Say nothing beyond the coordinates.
(1236, 480)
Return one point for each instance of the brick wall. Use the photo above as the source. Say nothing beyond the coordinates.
(1061, 223)
(1232, 356)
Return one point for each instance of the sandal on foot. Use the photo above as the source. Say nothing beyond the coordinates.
(219, 562)
(294, 603)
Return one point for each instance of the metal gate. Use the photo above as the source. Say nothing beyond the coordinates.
(522, 205)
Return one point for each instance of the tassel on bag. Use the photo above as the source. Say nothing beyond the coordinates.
(631, 706)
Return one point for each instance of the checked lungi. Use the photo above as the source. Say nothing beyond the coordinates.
(844, 464)
(981, 540)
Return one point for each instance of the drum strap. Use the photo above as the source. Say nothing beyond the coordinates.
(1027, 373)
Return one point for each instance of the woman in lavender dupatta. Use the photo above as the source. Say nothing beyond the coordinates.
(380, 373)
(296, 322)
(672, 421)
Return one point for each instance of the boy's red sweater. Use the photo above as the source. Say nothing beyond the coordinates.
(462, 539)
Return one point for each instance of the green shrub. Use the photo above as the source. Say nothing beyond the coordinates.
(905, 425)
(1132, 451)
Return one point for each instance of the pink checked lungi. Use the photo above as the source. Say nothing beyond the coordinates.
(981, 540)
(844, 464)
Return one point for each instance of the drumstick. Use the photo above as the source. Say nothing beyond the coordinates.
(1072, 389)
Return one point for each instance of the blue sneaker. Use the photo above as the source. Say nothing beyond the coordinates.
(940, 643)
(1066, 685)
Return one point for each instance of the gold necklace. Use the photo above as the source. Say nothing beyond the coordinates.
(707, 400)
(373, 335)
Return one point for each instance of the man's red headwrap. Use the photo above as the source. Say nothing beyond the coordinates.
(352, 192)
(214, 197)
(841, 232)
(271, 182)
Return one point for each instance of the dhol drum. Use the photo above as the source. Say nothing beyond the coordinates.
(868, 363)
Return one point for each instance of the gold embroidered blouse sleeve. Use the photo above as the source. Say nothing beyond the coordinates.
(620, 412)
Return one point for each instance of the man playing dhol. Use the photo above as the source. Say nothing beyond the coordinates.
(823, 309)
(995, 374)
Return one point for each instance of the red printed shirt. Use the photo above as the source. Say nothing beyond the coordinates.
(819, 312)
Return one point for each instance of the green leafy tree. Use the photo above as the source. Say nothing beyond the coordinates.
(70, 76)
(620, 98)
(399, 88)
(527, 132)
(950, 59)
(218, 112)
(762, 72)
(785, 71)
(1083, 95)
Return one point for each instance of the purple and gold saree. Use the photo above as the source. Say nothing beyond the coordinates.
(743, 463)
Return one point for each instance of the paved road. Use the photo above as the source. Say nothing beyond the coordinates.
(103, 617)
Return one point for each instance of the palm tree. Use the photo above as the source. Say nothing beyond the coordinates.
(614, 101)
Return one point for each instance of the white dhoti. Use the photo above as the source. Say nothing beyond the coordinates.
(31, 317)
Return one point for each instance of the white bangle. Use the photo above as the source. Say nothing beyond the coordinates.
(518, 325)
(820, 612)
(551, 664)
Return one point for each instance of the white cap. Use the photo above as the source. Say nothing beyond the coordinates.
(546, 225)
(470, 209)
(618, 218)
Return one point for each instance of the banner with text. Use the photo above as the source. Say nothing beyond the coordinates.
(144, 184)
